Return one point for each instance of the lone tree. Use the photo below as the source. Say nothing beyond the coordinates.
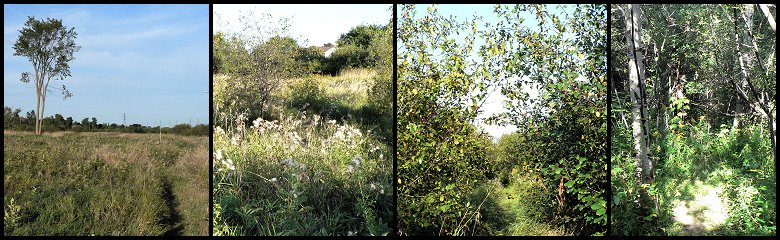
(49, 46)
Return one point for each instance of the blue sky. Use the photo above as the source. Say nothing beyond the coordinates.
(149, 61)
(494, 102)
(312, 25)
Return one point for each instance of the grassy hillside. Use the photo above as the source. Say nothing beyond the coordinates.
(105, 184)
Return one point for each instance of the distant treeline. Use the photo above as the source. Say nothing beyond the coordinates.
(361, 47)
(14, 121)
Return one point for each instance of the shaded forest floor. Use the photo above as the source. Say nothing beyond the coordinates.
(718, 183)
(708, 182)
(699, 212)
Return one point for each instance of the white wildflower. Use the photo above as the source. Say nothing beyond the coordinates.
(351, 233)
(332, 122)
(235, 140)
(219, 130)
(229, 164)
(218, 155)
(272, 180)
(350, 169)
(316, 119)
(289, 162)
(257, 123)
(356, 160)
(372, 186)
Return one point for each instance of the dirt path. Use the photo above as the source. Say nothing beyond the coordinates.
(171, 218)
(705, 211)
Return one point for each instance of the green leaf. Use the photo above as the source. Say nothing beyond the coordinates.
(601, 211)
(596, 206)
(569, 184)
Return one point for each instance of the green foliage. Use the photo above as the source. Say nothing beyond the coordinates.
(256, 72)
(317, 159)
(348, 57)
(361, 35)
(56, 123)
(733, 159)
(49, 46)
(705, 138)
(364, 46)
(381, 51)
(439, 96)
(564, 129)
(441, 155)
(311, 60)
(306, 92)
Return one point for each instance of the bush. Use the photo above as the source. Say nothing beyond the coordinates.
(381, 50)
(347, 57)
(306, 92)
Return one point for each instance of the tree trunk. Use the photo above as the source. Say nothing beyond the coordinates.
(745, 87)
(38, 93)
(768, 14)
(644, 171)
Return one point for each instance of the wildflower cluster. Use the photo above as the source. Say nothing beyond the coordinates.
(223, 164)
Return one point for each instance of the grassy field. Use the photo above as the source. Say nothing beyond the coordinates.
(105, 184)
(321, 166)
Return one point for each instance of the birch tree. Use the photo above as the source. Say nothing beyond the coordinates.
(644, 170)
(49, 46)
(759, 100)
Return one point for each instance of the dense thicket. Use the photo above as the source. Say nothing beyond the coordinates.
(447, 67)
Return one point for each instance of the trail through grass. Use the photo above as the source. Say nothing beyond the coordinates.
(515, 202)
(105, 184)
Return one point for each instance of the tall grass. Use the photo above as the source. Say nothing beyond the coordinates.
(317, 166)
(101, 183)
(725, 166)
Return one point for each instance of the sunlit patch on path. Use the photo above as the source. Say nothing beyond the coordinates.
(705, 211)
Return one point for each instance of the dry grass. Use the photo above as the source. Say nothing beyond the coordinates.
(105, 183)
(358, 73)
(192, 193)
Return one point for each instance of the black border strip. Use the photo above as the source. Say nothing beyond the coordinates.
(211, 120)
(609, 121)
(395, 120)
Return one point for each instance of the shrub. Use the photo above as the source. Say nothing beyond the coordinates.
(347, 57)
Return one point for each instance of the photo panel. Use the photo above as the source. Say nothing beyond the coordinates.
(303, 120)
(106, 120)
(501, 119)
(693, 120)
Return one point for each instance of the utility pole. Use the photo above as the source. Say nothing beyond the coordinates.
(159, 126)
